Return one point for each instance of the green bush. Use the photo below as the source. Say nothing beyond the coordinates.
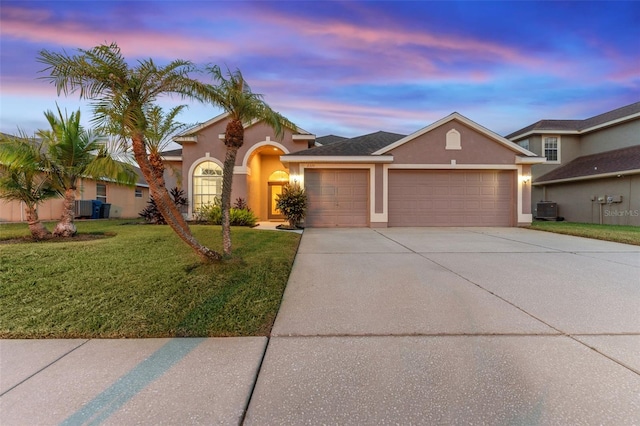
(292, 202)
(212, 213)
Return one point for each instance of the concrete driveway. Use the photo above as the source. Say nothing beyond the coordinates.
(450, 325)
(394, 326)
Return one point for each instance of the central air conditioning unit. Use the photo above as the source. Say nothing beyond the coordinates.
(84, 208)
(547, 210)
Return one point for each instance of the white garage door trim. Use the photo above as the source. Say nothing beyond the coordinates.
(456, 202)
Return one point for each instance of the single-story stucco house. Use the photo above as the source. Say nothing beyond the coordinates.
(124, 201)
(453, 172)
(592, 167)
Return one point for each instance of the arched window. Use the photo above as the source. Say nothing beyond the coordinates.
(279, 176)
(207, 184)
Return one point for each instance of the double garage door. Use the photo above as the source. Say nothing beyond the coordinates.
(340, 198)
(451, 198)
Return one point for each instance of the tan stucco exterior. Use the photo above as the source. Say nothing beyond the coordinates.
(472, 148)
(124, 203)
(256, 160)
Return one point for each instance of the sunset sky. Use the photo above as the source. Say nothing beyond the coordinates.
(352, 67)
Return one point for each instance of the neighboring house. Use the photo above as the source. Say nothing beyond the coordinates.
(451, 173)
(125, 201)
(592, 167)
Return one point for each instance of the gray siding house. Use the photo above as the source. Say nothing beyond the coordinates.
(592, 167)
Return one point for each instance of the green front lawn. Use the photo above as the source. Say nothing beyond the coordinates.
(141, 281)
(616, 233)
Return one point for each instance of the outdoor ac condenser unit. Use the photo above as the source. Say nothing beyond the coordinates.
(547, 210)
(84, 208)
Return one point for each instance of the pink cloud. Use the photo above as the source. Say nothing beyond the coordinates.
(37, 27)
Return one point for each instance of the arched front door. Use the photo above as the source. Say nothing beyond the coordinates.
(276, 182)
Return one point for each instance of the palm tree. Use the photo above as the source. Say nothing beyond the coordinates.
(22, 178)
(120, 96)
(234, 95)
(74, 153)
(160, 128)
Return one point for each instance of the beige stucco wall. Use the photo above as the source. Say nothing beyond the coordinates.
(575, 200)
(252, 171)
(430, 148)
(124, 203)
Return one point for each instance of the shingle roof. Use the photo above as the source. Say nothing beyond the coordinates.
(579, 125)
(615, 161)
(329, 139)
(172, 153)
(361, 145)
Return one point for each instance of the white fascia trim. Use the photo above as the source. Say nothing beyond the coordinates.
(530, 160)
(337, 159)
(172, 158)
(576, 132)
(466, 121)
(305, 137)
(545, 132)
(195, 129)
(579, 178)
(185, 138)
(611, 123)
(453, 166)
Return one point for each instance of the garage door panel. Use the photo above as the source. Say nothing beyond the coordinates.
(450, 198)
(337, 197)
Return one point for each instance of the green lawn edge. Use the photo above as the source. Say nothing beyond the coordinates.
(616, 233)
(141, 281)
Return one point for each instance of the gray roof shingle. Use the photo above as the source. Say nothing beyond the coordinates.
(579, 125)
(329, 139)
(361, 145)
(615, 161)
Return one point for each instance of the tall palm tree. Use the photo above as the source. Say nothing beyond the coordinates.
(74, 153)
(22, 178)
(234, 95)
(120, 96)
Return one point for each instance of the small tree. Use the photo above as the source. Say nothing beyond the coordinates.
(22, 178)
(292, 203)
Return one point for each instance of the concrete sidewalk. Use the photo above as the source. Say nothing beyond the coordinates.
(393, 326)
(127, 381)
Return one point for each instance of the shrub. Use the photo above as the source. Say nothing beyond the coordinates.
(212, 213)
(292, 202)
(151, 214)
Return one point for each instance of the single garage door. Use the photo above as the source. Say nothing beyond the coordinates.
(451, 198)
(337, 197)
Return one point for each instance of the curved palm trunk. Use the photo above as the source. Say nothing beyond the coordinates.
(37, 229)
(234, 138)
(227, 183)
(66, 227)
(164, 203)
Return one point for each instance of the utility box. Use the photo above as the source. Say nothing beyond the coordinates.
(83, 208)
(547, 210)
